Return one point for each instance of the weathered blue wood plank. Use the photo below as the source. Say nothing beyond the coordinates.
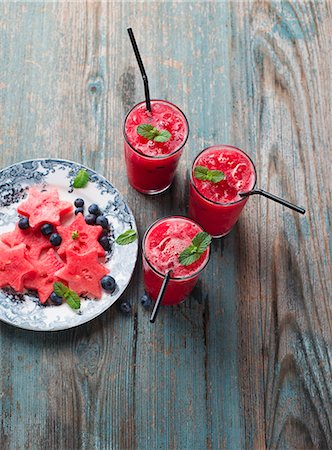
(281, 101)
(246, 361)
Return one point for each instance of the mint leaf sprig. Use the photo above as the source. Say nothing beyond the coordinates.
(127, 237)
(71, 297)
(197, 247)
(152, 133)
(204, 174)
(81, 179)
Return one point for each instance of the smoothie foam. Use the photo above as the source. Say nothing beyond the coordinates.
(166, 241)
(163, 116)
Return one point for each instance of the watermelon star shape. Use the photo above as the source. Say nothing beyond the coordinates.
(14, 267)
(35, 242)
(83, 273)
(44, 207)
(80, 237)
(44, 277)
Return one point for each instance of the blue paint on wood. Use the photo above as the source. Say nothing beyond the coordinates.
(289, 25)
(226, 369)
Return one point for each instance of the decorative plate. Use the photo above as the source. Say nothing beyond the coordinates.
(25, 310)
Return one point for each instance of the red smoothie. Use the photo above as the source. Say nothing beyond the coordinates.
(150, 164)
(162, 244)
(217, 206)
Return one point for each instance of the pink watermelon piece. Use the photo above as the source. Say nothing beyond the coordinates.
(86, 237)
(44, 207)
(44, 277)
(83, 273)
(33, 239)
(14, 266)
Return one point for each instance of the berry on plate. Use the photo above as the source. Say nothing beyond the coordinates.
(90, 219)
(108, 283)
(46, 229)
(102, 221)
(55, 239)
(105, 243)
(23, 223)
(79, 203)
(94, 209)
(56, 299)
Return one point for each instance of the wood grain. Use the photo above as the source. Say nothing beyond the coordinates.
(288, 110)
(245, 363)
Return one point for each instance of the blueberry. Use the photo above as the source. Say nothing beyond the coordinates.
(55, 239)
(23, 223)
(125, 307)
(94, 209)
(79, 202)
(90, 219)
(79, 210)
(105, 243)
(47, 229)
(102, 221)
(55, 299)
(146, 301)
(108, 283)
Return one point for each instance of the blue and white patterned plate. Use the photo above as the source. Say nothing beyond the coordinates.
(25, 311)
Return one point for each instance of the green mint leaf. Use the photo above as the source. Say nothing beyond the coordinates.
(147, 131)
(75, 234)
(163, 136)
(71, 297)
(152, 133)
(81, 179)
(127, 237)
(204, 174)
(216, 175)
(192, 248)
(202, 241)
(188, 256)
(60, 289)
(197, 247)
(200, 172)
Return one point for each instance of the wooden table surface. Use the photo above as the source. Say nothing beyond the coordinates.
(245, 363)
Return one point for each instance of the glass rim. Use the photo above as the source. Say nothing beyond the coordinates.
(150, 156)
(228, 147)
(187, 277)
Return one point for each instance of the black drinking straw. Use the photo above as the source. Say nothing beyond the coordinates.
(141, 67)
(296, 208)
(160, 297)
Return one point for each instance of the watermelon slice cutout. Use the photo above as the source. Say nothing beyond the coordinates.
(35, 242)
(24, 263)
(14, 267)
(83, 273)
(86, 237)
(44, 277)
(44, 207)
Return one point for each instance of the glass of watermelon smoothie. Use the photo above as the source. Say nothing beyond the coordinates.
(151, 164)
(216, 206)
(163, 241)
